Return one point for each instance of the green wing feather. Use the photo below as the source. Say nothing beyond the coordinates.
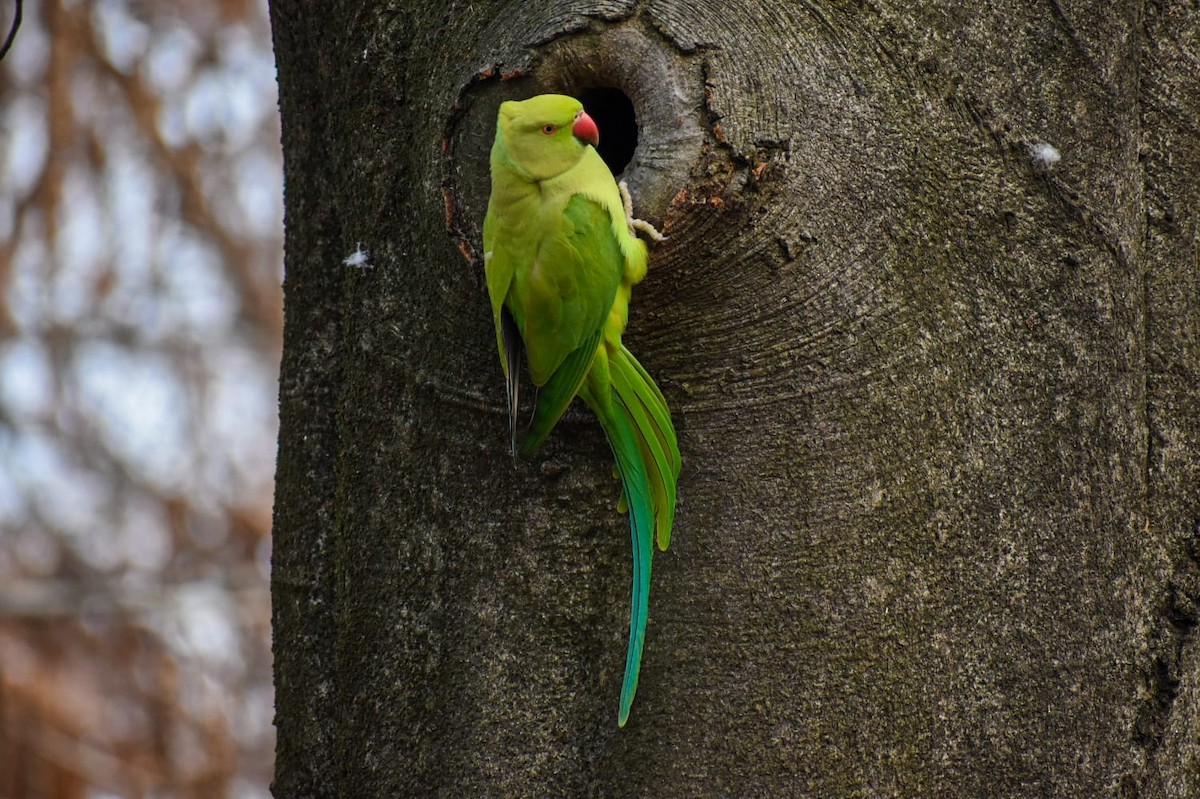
(500, 268)
(556, 395)
(565, 295)
(510, 348)
(587, 264)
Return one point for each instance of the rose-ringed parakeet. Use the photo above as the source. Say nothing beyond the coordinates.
(561, 257)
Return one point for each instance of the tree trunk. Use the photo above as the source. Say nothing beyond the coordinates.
(936, 392)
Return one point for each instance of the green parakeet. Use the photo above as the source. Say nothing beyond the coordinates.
(562, 257)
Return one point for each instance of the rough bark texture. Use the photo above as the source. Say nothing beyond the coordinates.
(937, 402)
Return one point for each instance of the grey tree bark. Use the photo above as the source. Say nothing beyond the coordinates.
(937, 393)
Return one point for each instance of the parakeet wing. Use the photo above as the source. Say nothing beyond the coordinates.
(584, 264)
(500, 267)
(567, 292)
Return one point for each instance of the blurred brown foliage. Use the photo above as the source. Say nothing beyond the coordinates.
(140, 326)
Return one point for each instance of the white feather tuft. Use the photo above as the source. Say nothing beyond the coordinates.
(359, 258)
(1044, 155)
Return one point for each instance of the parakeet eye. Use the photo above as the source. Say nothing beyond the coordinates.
(549, 130)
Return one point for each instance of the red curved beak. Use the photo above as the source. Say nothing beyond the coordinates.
(585, 128)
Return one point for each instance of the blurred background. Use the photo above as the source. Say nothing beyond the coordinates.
(140, 327)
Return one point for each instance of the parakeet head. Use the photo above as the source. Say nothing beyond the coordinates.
(546, 135)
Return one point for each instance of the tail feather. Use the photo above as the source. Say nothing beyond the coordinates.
(638, 425)
(657, 405)
(651, 448)
(635, 485)
(655, 434)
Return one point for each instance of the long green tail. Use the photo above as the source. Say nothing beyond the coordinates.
(638, 425)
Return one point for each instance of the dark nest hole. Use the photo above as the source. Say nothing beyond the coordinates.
(613, 112)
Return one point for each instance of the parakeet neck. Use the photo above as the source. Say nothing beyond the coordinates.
(521, 198)
(502, 162)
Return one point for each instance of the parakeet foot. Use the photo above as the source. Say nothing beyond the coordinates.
(637, 224)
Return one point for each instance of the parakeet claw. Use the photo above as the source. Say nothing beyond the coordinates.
(637, 224)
